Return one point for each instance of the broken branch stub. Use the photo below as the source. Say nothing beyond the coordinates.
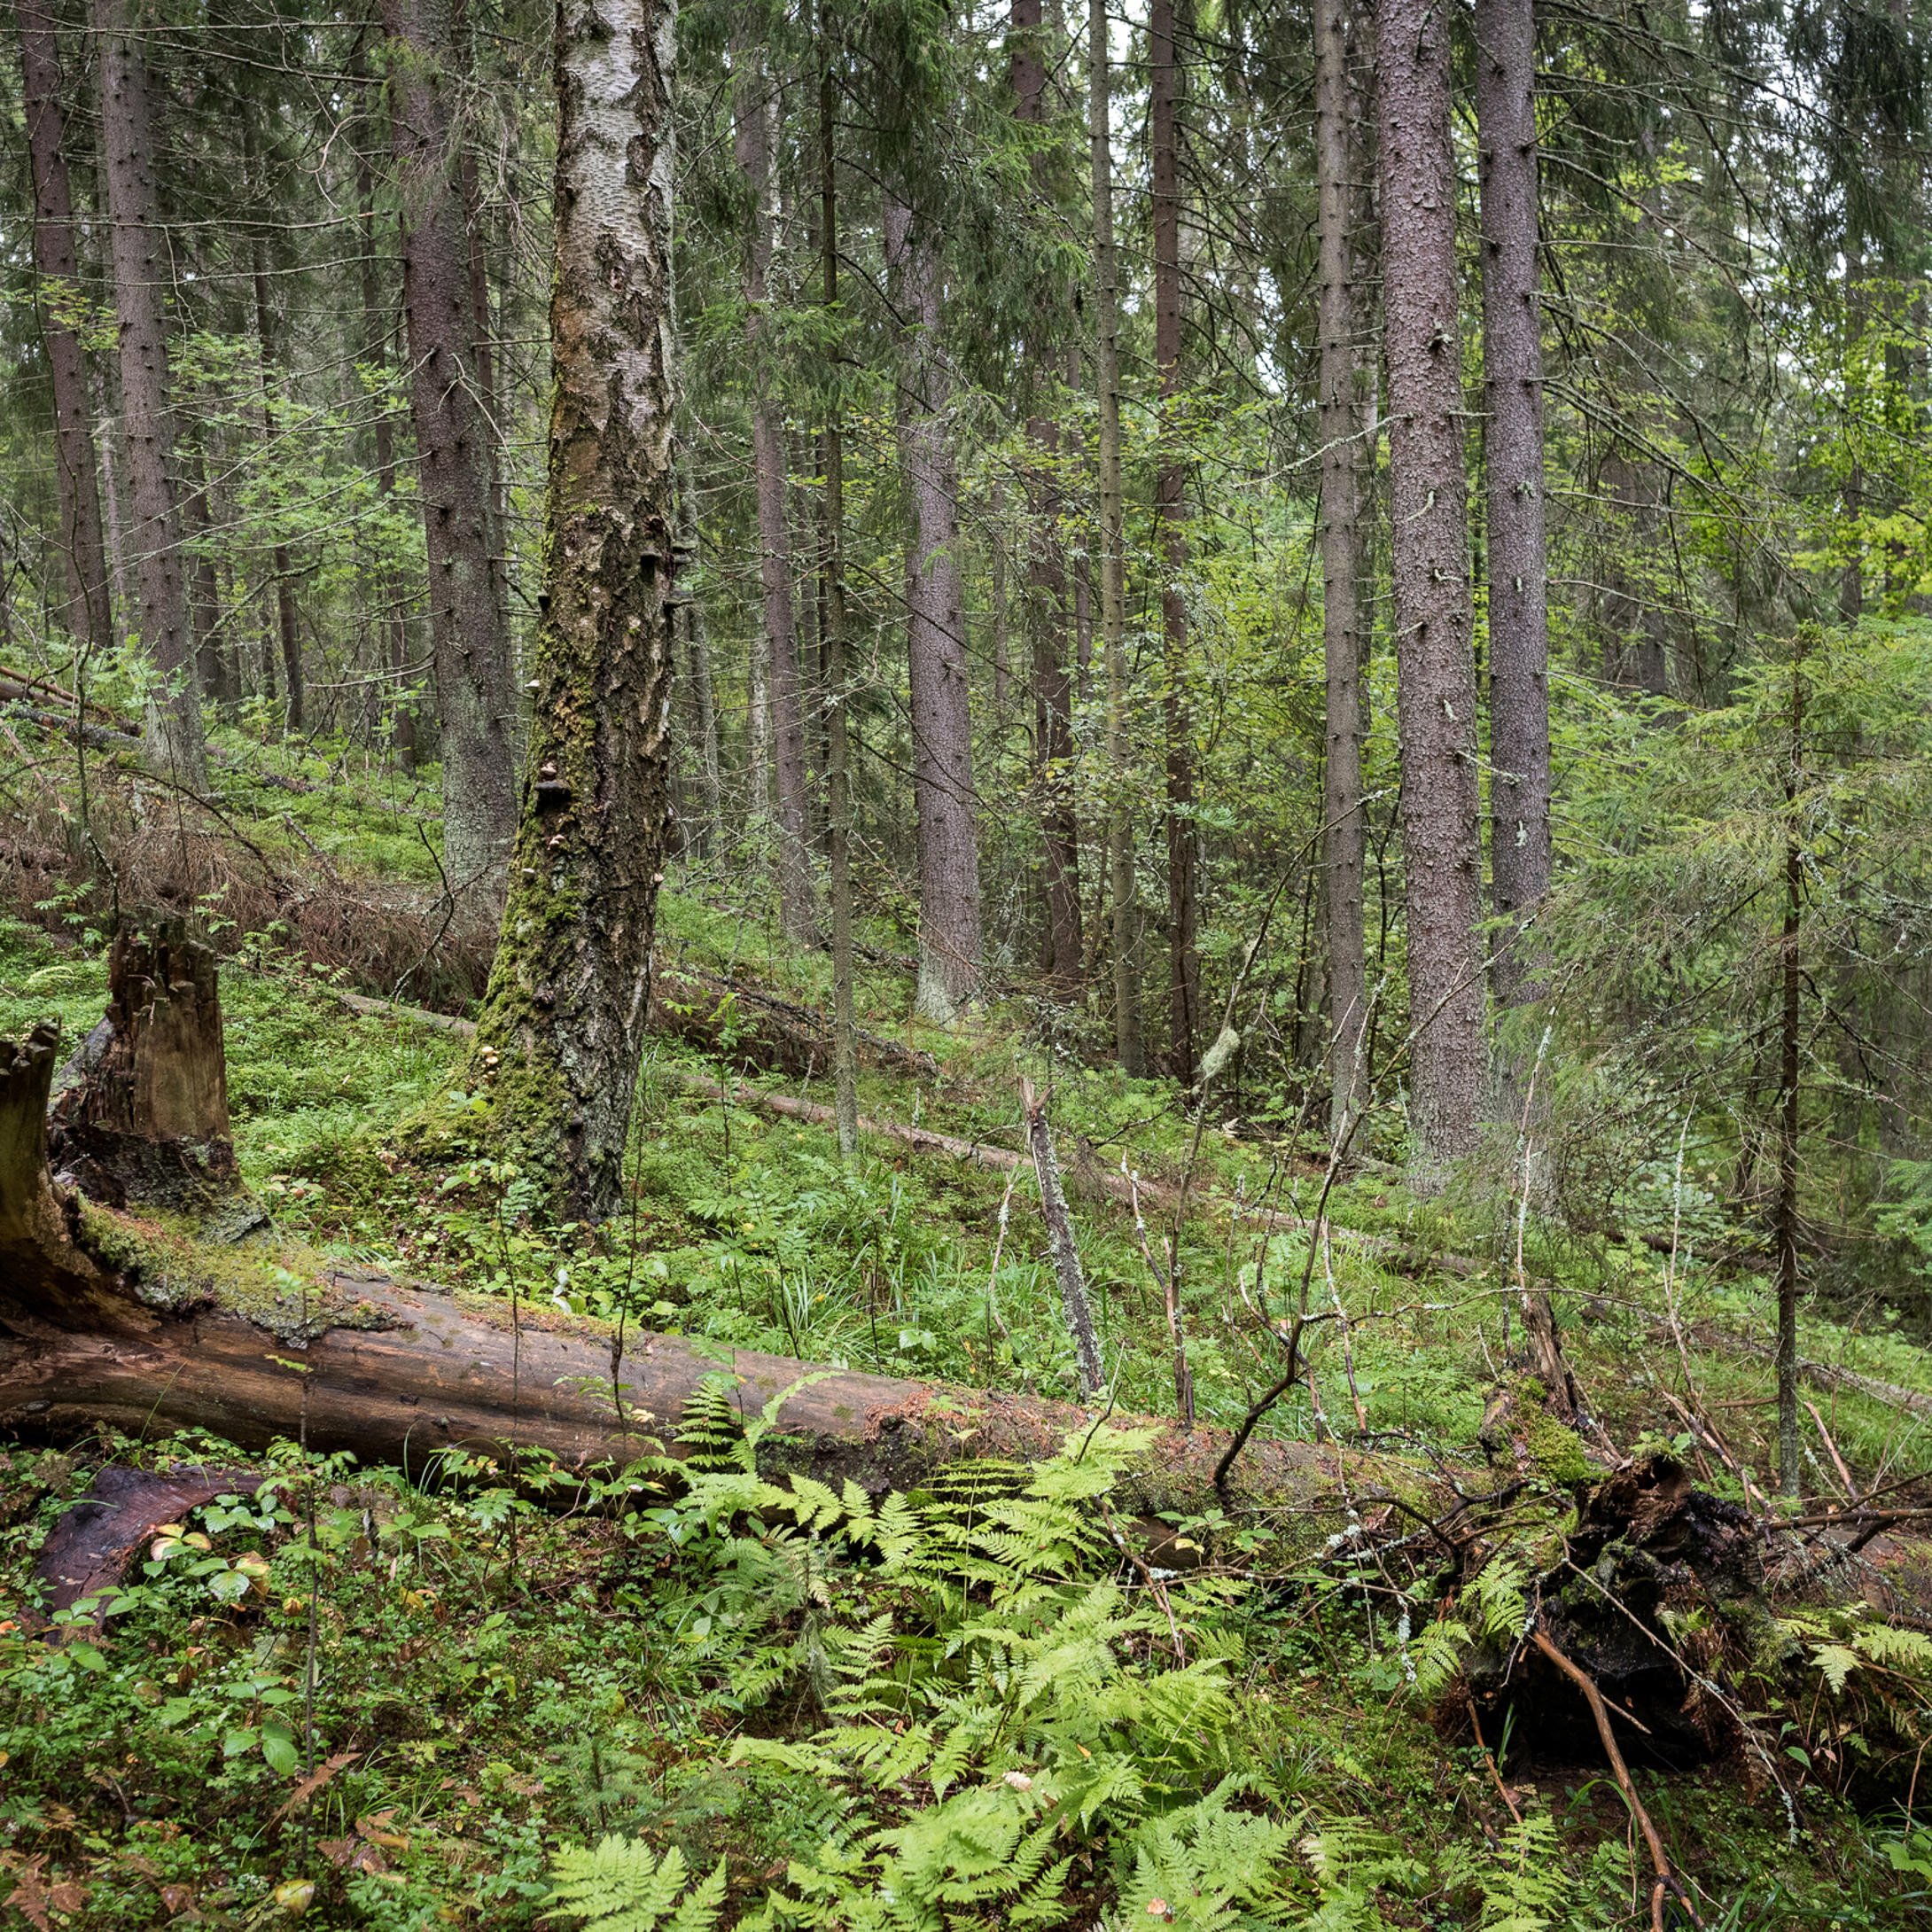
(1066, 1253)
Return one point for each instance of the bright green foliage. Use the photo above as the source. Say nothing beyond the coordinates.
(620, 1887)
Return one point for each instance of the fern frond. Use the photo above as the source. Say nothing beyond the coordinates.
(620, 1886)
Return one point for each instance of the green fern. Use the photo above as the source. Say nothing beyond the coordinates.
(620, 1887)
(710, 1431)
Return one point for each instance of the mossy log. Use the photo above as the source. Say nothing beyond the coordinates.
(106, 1317)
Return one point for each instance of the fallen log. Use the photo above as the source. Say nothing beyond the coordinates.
(109, 1319)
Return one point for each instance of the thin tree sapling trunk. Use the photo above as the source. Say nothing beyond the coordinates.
(1791, 974)
(1436, 674)
(561, 1027)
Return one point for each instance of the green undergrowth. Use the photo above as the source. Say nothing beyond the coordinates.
(353, 1703)
(750, 1705)
(744, 1228)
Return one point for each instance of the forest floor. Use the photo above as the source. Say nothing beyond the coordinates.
(425, 1697)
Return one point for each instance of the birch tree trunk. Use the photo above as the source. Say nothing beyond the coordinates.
(471, 649)
(752, 107)
(1343, 421)
(1519, 650)
(943, 791)
(558, 1041)
(1436, 674)
(1170, 509)
(86, 615)
(171, 731)
(1113, 553)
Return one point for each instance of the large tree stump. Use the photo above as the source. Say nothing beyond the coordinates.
(141, 1117)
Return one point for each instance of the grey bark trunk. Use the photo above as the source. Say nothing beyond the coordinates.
(1518, 568)
(1113, 552)
(1170, 509)
(558, 1041)
(171, 731)
(1047, 603)
(376, 339)
(1436, 675)
(1343, 418)
(943, 791)
(833, 651)
(471, 650)
(288, 632)
(87, 614)
(213, 662)
(704, 693)
(797, 909)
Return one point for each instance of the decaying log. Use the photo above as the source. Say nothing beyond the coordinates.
(142, 1116)
(1646, 1540)
(108, 1320)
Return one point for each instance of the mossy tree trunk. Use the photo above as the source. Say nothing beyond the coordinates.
(558, 1040)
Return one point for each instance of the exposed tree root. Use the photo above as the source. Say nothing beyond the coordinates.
(1666, 1883)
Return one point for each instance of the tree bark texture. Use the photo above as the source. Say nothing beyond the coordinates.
(754, 107)
(1170, 511)
(943, 792)
(704, 694)
(171, 732)
(832, 652)
(1123, 911)
(87, 614)
(472, 650)
(563, 1022)
(1047, 600)
(1436, 675)
(288, 632)
(403, 727)
(1519, 644)
(1342, 420)
(1790, 974)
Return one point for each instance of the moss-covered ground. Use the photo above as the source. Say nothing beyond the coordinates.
(423, 1699)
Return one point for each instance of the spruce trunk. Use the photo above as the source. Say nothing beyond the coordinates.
(563, 1022)
(171, 731)
(1170, 511)
(1113, 555)
(1519, 648)
(797, 907)
(1342, 421)
(943, 793)
(1047, 602)
(471, 650)
(1436, 674)
(56, 289)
